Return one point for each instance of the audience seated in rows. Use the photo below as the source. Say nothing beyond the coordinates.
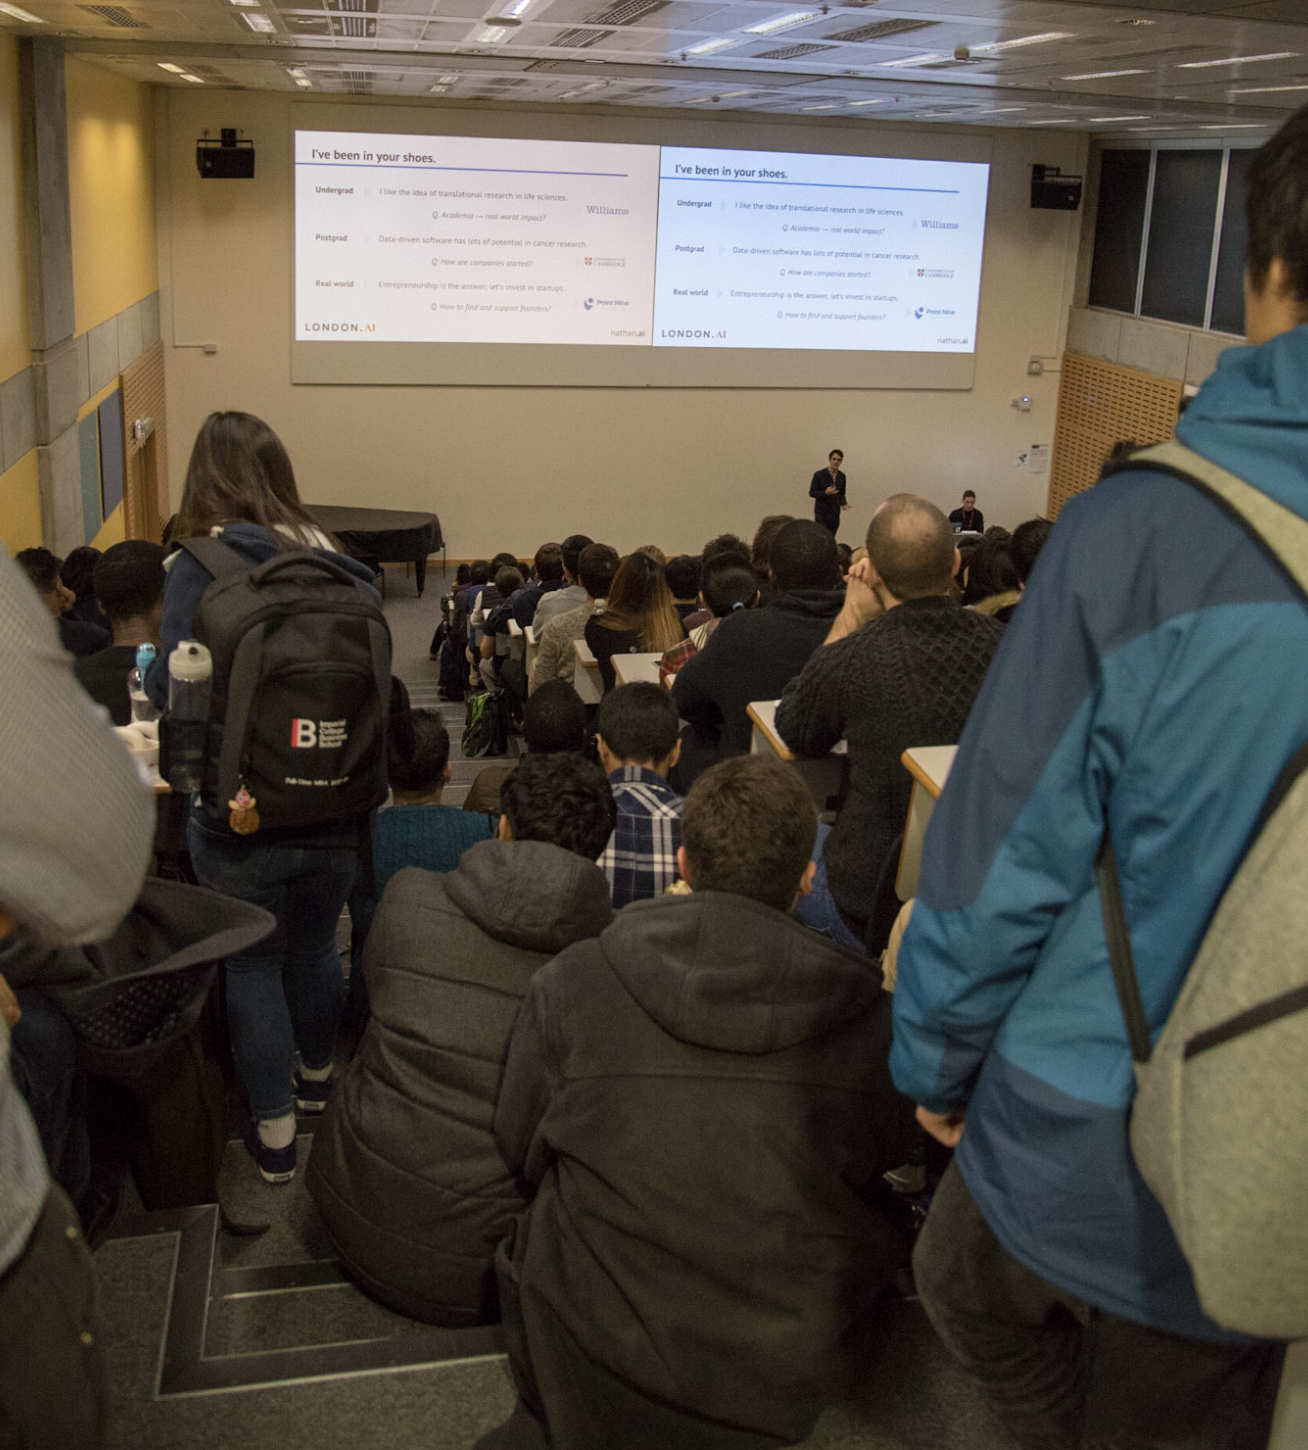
(129, 584)
(699, 1097)
(556, 659)
(78, 573)
(900, 667)
(76, 635)
(638, 614)
(571, 595)
(496, 614)
(727, 583)
(553, 722)
(636, 734)
(753, 653)
(404, 1170)
(546, 578)
(990, 571)
(760, 553)
(1023, 549)
(683, 573)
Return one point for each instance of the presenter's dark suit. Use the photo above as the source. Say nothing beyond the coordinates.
(826, 507)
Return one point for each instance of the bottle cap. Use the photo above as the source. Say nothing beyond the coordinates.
(190, 661)
(145, 653)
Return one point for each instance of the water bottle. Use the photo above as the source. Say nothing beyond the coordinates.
(143, 708)
(190, 677)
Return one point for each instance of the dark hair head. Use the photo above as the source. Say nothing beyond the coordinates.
(78, 569)
(803, 556)
(653, 551)
(239, 471)
(508, 579)
(729, 584)
(638, 722)
(760, 554)
(40, 566)
(548, 562)
(1027, 541)
(844, 557)
(596, 566)
(480, 572)
(1276, 207)
(969, 493)
(563, 799)
(748, 826)
(682, 574)
(417, 751)
(725, 544)
(639, 600)
(129, 579)
(462, 575)
(503, 560)
(990, 570)
(572, 547)
(911, 546)
(554, 719)
(836, 453)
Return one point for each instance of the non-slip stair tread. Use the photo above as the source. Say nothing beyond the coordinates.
(296, 1232)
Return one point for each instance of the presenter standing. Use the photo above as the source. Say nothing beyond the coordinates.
(827, 491)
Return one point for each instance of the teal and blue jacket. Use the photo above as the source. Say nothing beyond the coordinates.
(1153, 683)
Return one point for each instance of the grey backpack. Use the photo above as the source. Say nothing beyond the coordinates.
(1219, 1127)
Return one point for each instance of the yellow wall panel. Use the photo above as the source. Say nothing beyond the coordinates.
(20, 505)
(112, 531)
(111, 191)
(14, 353)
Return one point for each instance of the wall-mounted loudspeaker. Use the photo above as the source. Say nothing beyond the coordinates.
(226, 158)
(1052, 191)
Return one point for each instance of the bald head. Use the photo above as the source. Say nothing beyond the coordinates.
(911, 547)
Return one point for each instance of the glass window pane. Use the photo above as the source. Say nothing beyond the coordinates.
(1119, 228)
(1228, 297)
(1181, 236)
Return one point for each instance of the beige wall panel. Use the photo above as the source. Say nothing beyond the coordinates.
(510, 467)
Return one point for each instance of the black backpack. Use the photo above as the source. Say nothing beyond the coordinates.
(301, 685)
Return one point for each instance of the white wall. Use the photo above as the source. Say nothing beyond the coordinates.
(510, 467)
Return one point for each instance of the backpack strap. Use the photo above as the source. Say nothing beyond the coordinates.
(1281, 531)
(214, 556)
(1283, 534)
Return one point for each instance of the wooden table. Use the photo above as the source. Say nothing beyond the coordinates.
(823, 775)
(929, 765)
(628, 669)
(586, 677)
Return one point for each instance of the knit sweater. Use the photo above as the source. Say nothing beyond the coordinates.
(906, 679)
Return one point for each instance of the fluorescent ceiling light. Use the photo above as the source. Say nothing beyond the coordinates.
(491, 35)
(516, 8)
(826, 106)
(16, 14)
(1103, 120)
(782, 22)
(247, 4)
(438, 89)
(708, 47)
(874, 101)
(295, 71)
(926, 58)
(257, 20)
(447, 80)
(1264, 90)
(1235, 126)
(169, 66)
(997, 110)
(303, 82)
(1043, 38)
(194, 80)
(1059, 121)
(1237, 60)
(1103, 75)
(731, 95)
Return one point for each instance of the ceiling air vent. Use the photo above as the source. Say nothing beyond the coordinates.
(880, 30)
(625, 12)
(357, 82)
(790, 52)
(116, 15)
(354, 27)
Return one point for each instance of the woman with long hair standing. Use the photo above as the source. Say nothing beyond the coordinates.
(638, 615)
(284, 994)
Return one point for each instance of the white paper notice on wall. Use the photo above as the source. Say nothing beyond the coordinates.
(1037, 458)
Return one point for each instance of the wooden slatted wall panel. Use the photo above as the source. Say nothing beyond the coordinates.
(1101, 403)
(141, 388)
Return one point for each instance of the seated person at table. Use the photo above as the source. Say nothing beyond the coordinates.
(754, 652)
(547, 578)
(682, 574)
(494, 647)
(638, 615)
(700, 1098)
(900, 667)
(637, 739)
(553, 722)
(990, 572)
(129, 581)
(1023, 549)
(760, 553)
(76, 636)
(78, 573)
(559, 601)
(555, 657)
(404, 1170)
(729, 584)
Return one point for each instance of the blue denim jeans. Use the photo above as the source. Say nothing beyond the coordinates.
(284, 994)
(818, 910)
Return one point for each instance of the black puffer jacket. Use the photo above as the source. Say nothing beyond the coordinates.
(702, 1098)
(404, 1170)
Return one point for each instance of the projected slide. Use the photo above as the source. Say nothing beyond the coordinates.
(760, 249)
(441, 239)
(437, 239)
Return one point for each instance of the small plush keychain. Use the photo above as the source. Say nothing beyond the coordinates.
(244, 819)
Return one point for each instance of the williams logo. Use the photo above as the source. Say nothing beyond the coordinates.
(318, 734)
(593, 303)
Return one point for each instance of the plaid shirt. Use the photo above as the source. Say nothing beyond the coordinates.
(640, 859)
